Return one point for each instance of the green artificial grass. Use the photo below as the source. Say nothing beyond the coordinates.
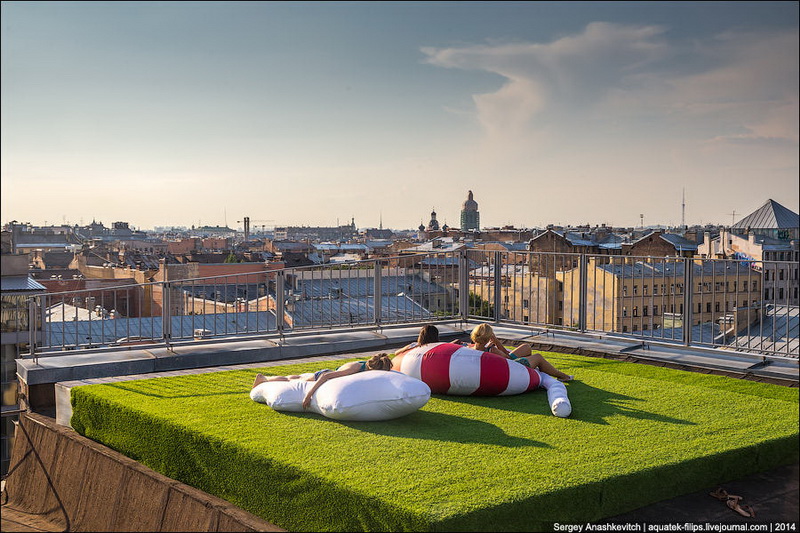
(638, 434)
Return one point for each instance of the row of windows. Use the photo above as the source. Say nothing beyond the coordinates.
(770, 273)
(781, 256)
(655, 309)
(705, 286)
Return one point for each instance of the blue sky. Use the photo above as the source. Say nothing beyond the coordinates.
(161, 113)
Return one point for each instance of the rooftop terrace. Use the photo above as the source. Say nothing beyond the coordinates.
(49, 378)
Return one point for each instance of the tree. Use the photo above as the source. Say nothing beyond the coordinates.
(480, 307)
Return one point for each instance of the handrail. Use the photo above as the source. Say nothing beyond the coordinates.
(712, 303)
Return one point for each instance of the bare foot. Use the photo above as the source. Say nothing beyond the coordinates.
(259, 380)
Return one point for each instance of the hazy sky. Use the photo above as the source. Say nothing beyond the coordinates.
(161, 113)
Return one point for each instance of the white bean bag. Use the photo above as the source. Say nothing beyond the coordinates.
(453, 369)
(370, 395)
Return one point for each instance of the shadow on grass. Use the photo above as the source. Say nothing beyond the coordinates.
(428, 425)
(589, 404)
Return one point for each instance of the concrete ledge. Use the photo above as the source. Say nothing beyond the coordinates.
(76, 484)
(57, 368)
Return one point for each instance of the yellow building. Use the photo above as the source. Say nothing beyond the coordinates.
(624, 295)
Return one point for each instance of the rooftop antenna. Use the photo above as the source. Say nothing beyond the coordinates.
(380, 223)
(733, 217)
(641, 220)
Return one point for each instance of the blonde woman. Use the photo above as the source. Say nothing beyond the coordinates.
(484, 339)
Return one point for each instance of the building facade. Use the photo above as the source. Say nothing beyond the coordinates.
(470, 217)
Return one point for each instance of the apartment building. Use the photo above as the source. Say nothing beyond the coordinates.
(623, 296)
(768, 240)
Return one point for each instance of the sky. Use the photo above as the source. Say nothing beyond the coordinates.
(306, 113)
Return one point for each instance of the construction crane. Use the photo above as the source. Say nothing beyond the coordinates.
(246, 221)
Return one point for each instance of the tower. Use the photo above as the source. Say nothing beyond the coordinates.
(433, 225)
(470, 217)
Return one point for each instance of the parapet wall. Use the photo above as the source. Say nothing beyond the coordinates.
(75, 484)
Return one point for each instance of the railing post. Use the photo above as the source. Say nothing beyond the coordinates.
(280, 299)
(463, 285)
(166, 313)
(583, 294)
(32, 312)
(688, 280)
(498, 270)
(378, 291)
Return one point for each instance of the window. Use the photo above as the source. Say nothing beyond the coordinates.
(635, 327)
(766, 294)
(624, 329)
(645, 289)
(780, 274)
(644, 327)
(727, 306)
(635, 310)
(766, 275)
(755, 285)
(716, 307)
(780, 293)
(655, 310)
(624, 290)
(525, 318)
(708, 307)
(624, 311)
(525, 304)
(561, 305)
(655, 290)
(699, 307)
(644, 311)
(681, 309)
(635, 289)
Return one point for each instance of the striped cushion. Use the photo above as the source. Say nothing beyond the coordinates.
(453, 369)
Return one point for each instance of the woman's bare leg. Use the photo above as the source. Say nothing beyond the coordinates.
(523, 350)
(538, 361)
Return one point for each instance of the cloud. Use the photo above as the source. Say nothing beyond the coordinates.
(733, 86)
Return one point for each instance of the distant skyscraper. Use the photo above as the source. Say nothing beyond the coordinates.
(470, 218)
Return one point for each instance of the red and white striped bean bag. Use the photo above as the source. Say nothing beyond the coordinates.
(449, 368)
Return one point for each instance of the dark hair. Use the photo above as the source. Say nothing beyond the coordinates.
(428, 334)
(380, 361)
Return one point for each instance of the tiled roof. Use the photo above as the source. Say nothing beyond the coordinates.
(104, 331)
(20, 284)
(335, 311)
(771, 215)
(360, 287)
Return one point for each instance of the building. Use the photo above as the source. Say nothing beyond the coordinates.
(624, 296)
(768, 239)
(317, 233)
(15, 289)
(470, 217)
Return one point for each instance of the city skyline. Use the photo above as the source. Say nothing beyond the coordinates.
(302, 113)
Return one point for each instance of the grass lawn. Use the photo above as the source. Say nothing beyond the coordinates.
(637, 434)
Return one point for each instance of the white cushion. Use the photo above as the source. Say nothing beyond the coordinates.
(370, 395)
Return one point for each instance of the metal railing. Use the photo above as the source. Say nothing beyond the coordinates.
(723, 304)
